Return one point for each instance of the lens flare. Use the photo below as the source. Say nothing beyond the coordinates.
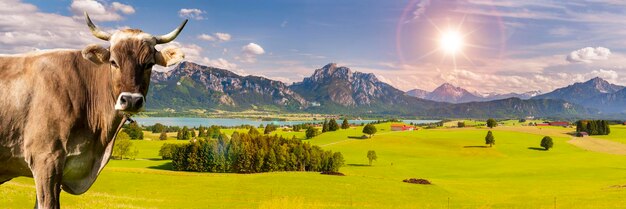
(451, 42)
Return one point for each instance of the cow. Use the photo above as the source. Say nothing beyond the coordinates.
(60, 110)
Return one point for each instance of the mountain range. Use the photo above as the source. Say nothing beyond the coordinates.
(337, 90)
(452, 94)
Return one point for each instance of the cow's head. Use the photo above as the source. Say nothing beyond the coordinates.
(131, 56)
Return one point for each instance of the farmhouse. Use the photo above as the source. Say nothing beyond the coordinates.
(401, 127)
(559, 123)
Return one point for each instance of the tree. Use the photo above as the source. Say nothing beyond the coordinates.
(296, 128)
(167, 150)
(185, 133)
(325, 126)
(460, 124)
(201, 132)
(123, 147)
(371, 155)
(311, 132)
(489, 139)
(158, 128)
(253, 131)
(269, 128)
(369, 129)
(193, 133)
(332, 125)
(345, 124)
(491, 123)
(163, 136)
(179, 134)
(546, 142)
(134, 131)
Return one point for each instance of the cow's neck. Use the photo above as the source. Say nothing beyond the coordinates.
(103, 120)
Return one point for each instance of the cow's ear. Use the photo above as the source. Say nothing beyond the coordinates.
(169, 56)
(96, 54)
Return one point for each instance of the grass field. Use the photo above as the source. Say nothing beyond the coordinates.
(465, 174)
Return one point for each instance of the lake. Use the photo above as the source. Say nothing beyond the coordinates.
(195, 122)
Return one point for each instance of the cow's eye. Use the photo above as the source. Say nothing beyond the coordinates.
(114, 64)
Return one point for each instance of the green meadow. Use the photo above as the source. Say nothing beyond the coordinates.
(515, 173)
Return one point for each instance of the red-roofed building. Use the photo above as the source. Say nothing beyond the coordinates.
(559, 123)
(401, 127)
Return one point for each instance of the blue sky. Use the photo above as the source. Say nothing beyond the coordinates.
(510, 46)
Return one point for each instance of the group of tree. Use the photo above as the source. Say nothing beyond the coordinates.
(491, 123)
(185, 133)
(593, 127)
(210, 132)
(133, 130)
(460, 124)
(248, 153)
(123, 147)
(160, 128)
(330, 125)
(369, 129)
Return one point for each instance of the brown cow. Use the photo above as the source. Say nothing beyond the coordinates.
(60, 110)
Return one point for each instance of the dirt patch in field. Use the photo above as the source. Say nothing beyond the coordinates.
(333, 173)
(416, 181)
(599, 145)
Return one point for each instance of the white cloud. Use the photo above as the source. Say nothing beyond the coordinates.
(24, 28)
(206, 37)
(589, 54)
(99, 10)
(193, 53)
(195, 14)
(420, 9)
(250, 52)
(220, 63)
(253, 49)
(609, 75)
(223, 36)
(126, 9)
(215, 37)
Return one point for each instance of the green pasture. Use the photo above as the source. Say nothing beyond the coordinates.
(515, 173)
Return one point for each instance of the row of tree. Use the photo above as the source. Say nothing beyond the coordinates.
(250, 153)
(593, 127)
(546, 142)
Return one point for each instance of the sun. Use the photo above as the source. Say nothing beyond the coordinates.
(451, 42)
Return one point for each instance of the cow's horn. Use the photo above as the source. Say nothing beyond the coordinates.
(170, 36)
(95, 31)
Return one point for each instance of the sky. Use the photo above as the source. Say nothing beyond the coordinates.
(508, 46)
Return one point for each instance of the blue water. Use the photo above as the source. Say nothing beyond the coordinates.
(195, 122)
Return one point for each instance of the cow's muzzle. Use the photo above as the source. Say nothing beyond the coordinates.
(130, 102)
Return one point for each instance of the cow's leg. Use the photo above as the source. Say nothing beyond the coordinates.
(47, 171)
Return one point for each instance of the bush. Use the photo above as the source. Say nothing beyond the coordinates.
(123, 146)
(460, 124)
(167, 150)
